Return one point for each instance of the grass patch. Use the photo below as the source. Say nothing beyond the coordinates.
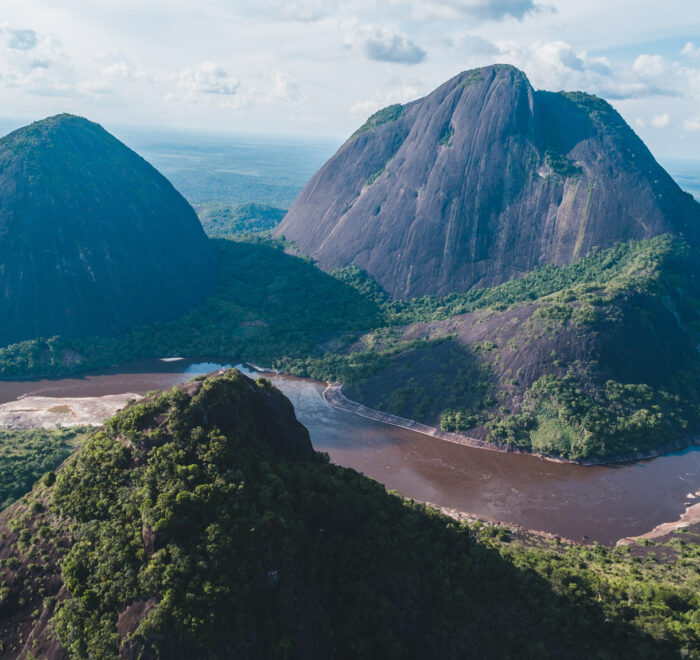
(26, 455)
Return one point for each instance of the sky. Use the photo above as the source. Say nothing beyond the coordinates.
(320, 67)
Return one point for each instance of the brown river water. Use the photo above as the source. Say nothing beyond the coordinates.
(601, 503)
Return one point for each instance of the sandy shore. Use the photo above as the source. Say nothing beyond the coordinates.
(690, 517)
(52, 412)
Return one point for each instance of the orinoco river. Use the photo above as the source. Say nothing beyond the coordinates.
(601, 503)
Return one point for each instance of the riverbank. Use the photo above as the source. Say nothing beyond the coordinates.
(50, 412)
(690, 518)
(518, 530)
(690, 521)
(585, 504)
(333, 395)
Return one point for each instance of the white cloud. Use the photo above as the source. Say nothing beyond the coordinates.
(284, 61)
(35, 64)
(305, 10)
(475, 45)
(401, 94)
(691, 49)
(661, 121)
(217, 85)
(480, 10)
(558, 65)
(382, 44)
(282, 88)
(207, 78)
(650, 65)
(267, 87)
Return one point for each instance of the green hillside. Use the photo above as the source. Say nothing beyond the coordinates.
(200, 523)
(230, 220)
(592, 360)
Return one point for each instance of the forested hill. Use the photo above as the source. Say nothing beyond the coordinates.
(93, 239)
(200, 523)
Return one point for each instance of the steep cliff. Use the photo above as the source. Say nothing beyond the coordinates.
(481, 181)
(92, 238)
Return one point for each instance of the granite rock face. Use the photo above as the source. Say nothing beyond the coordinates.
(480, 182)
(92, 238)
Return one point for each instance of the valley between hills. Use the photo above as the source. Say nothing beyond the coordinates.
(470, 363)
(498, 265)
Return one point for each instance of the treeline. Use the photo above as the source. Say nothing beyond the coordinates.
(575, 418)
(27, 454)
(233, 550)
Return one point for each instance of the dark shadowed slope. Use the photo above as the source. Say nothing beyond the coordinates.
(92, 238)
(481, 181)
(200, 524)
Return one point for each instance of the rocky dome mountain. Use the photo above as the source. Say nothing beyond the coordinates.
(481, 181)
(92, 238)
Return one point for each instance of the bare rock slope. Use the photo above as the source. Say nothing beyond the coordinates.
(481, 181)
(92, 238)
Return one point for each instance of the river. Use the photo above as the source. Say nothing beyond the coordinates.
(601, 503)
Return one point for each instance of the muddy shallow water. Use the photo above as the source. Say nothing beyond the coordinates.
(598, 503)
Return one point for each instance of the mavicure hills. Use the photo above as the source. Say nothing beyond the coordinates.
(501, 262)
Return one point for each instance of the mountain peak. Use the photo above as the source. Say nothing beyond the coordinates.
(481, 181)
(94, 239)
(52, 126)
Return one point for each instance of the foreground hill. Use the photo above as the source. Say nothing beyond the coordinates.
(481, 181)
(94, 239)
(200, 523)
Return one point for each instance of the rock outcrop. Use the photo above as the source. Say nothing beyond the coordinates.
(480, 182)
(92, 238)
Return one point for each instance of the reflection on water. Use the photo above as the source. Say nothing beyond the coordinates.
(199, 368)
(594, 503)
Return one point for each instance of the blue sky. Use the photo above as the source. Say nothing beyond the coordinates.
(319, 67)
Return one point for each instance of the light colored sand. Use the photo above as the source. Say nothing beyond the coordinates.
(51, 412)
(690, 517)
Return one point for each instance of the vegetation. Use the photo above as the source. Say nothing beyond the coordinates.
(177, 538)
(598, 109)
(561, 165)
(473, 77)
(653, 585)
(279, 310)
(576, 408)
(623, 266)
(26, 455)
(446, 135)
(383, 116)
(567, 417)
(346, 368)
(266, 304)
(234, 220)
